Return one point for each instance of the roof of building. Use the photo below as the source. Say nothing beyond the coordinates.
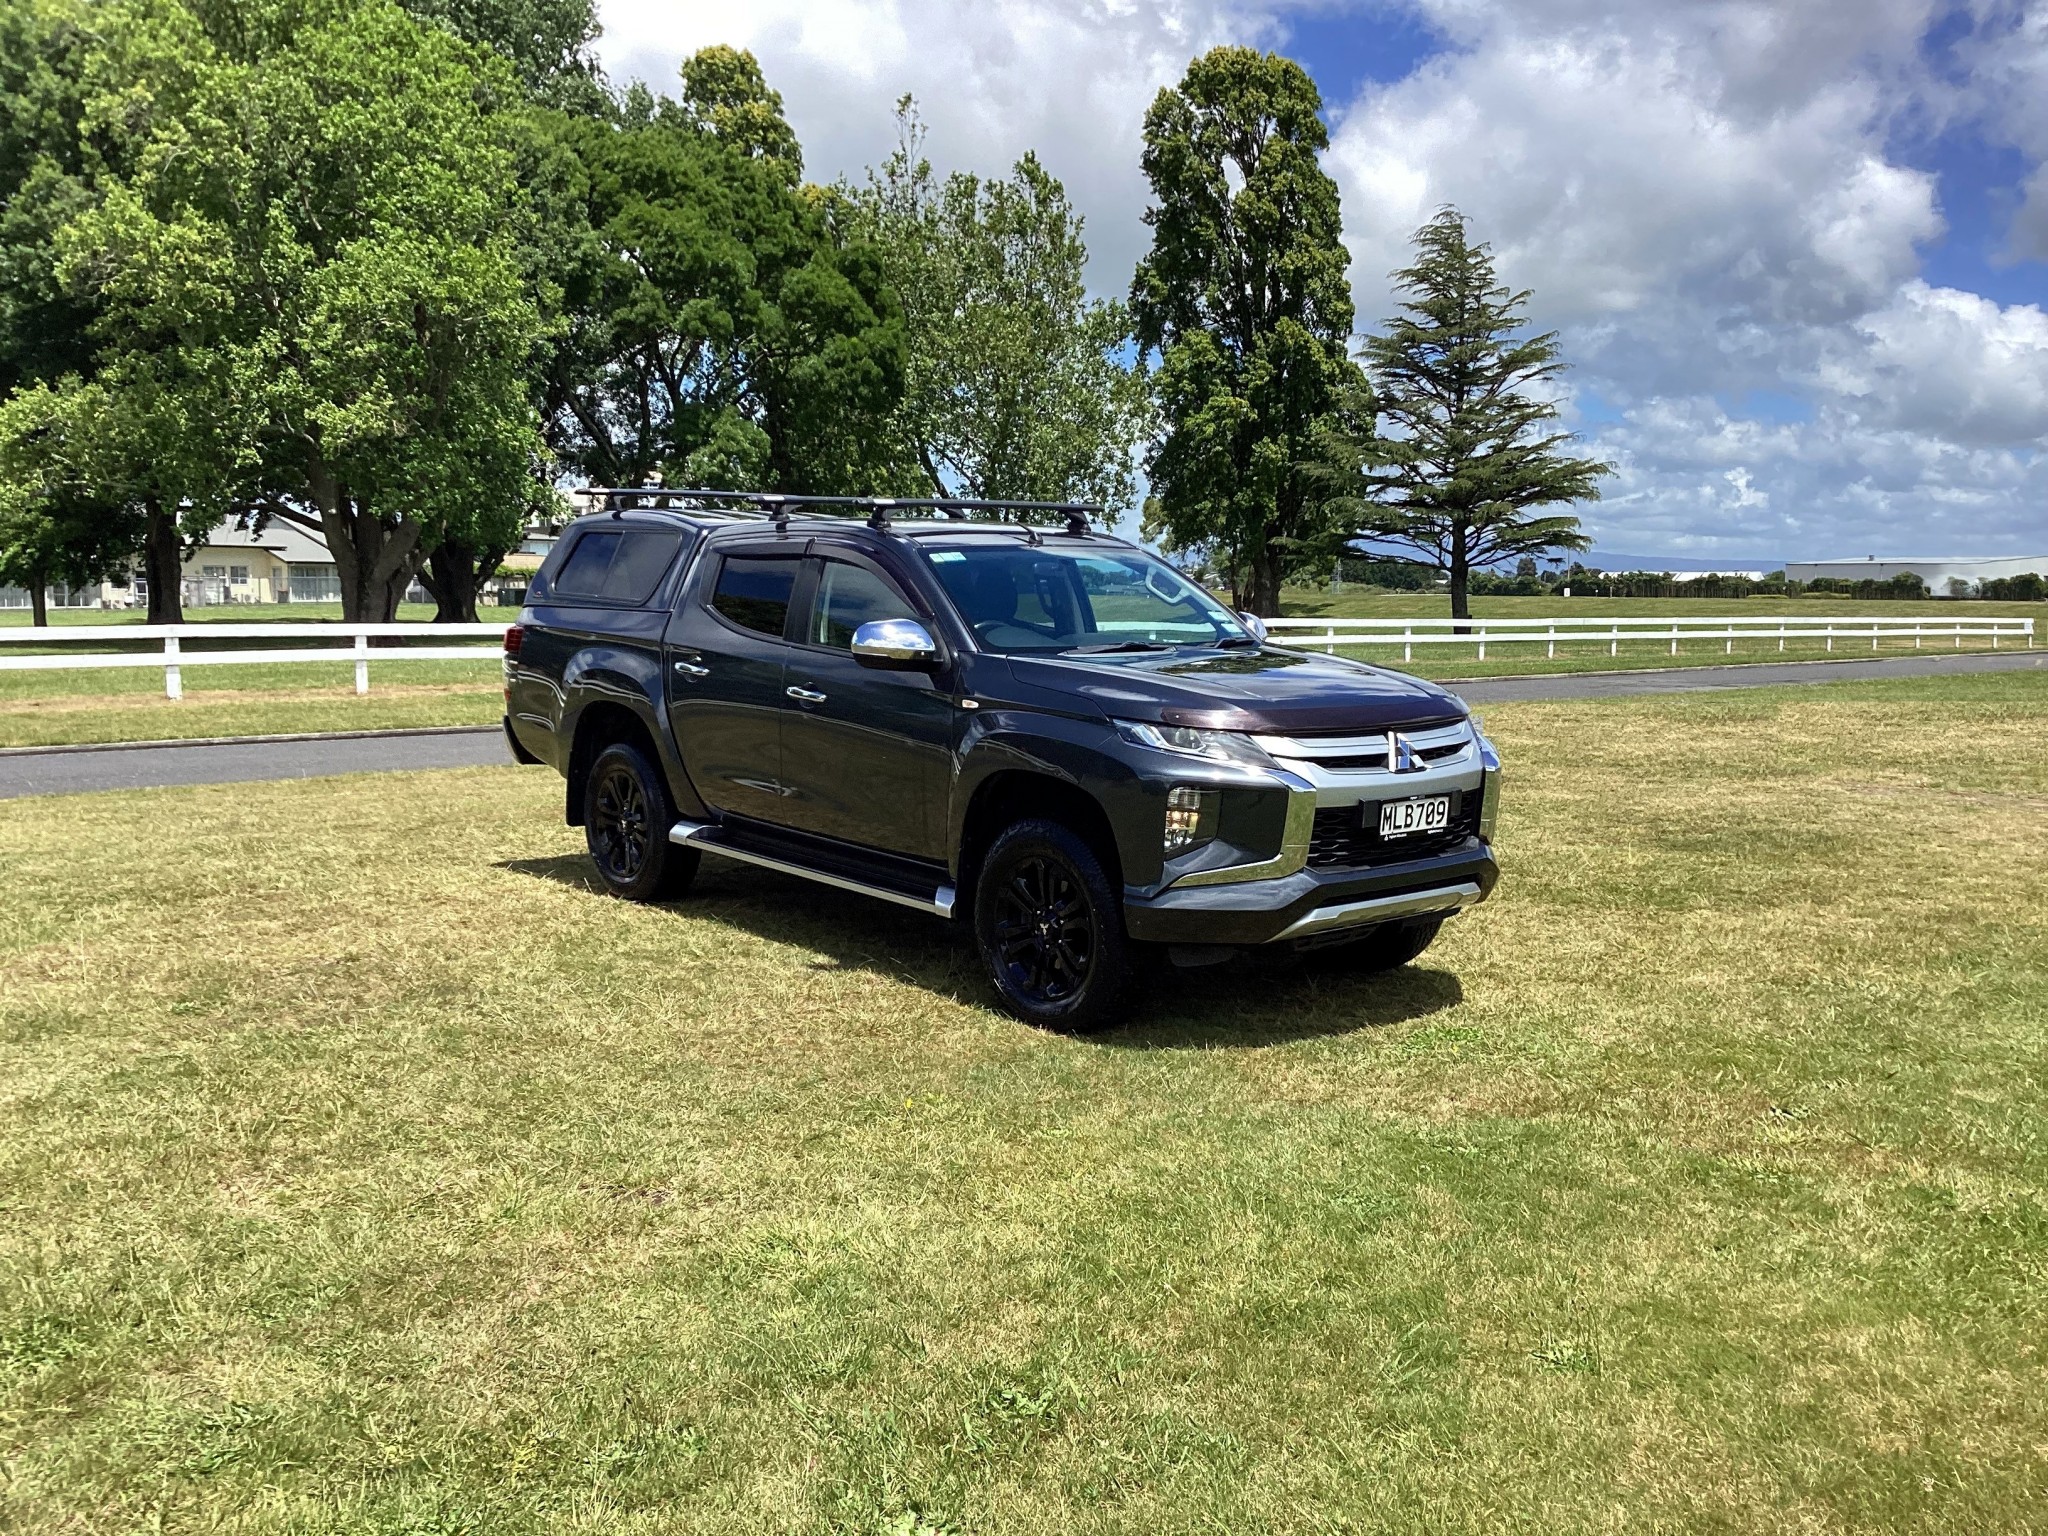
(1923, 560)
(296, 545)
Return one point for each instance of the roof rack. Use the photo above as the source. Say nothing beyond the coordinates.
(775, 507)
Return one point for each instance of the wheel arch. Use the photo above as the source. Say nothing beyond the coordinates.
(1011, 795)
(600, 724)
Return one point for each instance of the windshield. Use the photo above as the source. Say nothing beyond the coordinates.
(1017, 597)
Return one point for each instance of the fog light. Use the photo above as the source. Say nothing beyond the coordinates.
(1188, 812)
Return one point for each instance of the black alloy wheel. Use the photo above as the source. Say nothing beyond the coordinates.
(619, 824)
(626, 817)
(1049, 929)
(1045, 932)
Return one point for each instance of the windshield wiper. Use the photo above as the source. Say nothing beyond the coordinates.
(1230, 640)
(1121, 645)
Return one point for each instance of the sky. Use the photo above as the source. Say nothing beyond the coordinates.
(1796, 250)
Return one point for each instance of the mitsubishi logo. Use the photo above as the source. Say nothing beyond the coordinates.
(1402, 756)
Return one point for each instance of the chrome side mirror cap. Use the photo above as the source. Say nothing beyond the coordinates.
(1255, 624)
(894, 643)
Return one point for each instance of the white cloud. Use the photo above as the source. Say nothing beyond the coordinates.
(1070, 79)
(1702, 197)
(1947, 364)
(1703, 194)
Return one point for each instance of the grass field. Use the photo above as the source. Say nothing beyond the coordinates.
(127, 704)
(362, 1170)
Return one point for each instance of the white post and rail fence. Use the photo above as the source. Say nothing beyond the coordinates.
(1772, 633)
(176, 647)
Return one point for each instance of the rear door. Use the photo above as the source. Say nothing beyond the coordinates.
(866, 754)
(726, 655)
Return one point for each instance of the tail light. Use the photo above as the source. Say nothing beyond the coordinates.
(514, 638)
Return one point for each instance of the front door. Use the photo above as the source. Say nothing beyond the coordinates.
(867, 755)
(724, 660)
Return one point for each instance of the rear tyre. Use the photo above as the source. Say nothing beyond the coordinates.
(626, 817)
(1384, 948)
(1050, 929)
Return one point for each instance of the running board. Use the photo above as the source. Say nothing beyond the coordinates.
(702, 834)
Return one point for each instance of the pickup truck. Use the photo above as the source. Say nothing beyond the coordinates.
(1045, 731)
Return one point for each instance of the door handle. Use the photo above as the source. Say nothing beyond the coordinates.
(691, 669)
(805, 695)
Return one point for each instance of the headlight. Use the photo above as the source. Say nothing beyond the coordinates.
(1218, 746)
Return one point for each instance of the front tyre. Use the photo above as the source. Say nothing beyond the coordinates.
(1050, 929)
(626, 817)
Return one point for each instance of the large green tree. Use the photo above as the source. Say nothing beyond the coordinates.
(107, 422)
(717, 325)
(548, 43)
(1017, 386)
(316, 219)
(1244, 304)
(46, 179)
(1464, 461)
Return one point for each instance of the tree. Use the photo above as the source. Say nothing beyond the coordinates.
(1462, 462)
(45, 180)
(547, 42)
(1015, 387)
(319, 214)
(56, 523)
(715, 326)
(1244, 300)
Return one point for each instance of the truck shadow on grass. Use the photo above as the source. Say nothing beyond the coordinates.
(1243, 1003)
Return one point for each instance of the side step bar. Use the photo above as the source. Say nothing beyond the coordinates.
(700, 834)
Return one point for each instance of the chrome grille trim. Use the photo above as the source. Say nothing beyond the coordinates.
(1367, 751)
(1347, 769)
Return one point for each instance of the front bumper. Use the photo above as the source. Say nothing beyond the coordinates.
(1310, 902)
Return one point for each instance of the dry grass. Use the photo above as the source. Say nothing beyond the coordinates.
(39, 709)
(362, 1170)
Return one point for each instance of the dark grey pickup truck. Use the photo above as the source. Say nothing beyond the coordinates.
(1045, 731)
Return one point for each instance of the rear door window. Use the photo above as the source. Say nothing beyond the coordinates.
(623, 566)
(753, 591)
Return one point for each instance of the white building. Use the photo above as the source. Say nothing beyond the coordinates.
(1939, 572)
(283, 564)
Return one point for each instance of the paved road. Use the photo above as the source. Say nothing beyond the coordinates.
(139, 767)
(71, 773)
(1611, 685)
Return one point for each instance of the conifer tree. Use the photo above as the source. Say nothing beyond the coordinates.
(1462, 462)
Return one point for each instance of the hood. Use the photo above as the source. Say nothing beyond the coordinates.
(1267, 690)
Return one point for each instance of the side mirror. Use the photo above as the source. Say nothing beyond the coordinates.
(895, 644)
(1255, 624)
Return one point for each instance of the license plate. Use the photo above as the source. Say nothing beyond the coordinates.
(1404, 818)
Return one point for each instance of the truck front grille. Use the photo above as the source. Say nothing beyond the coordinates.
(1348, 836)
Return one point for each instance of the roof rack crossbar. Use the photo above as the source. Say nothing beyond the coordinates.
(776, 506)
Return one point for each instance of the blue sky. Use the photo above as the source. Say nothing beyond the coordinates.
(1794, 247)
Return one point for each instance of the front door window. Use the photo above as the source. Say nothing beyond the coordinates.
(848, 597)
